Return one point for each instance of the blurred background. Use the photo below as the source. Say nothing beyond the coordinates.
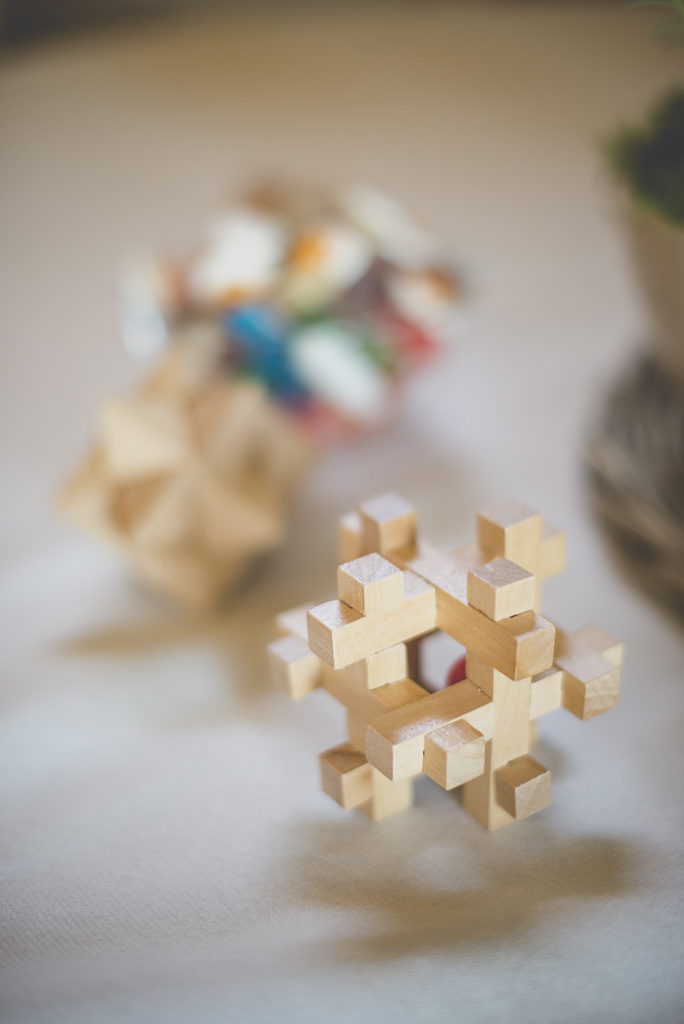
(169, 854)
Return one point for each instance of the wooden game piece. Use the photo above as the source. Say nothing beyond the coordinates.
(356, 730)
(590, 684)
(387, 522)
(589, 638)
(87, 499)
(590, 660)
(546, 692)
(454, 754)
(387, 797)
(294, 621)
(339, 635)
(510, 530)
(191, 476)
(476, 733)
(346, 776)
(144, 437)
(294, 669)
(387, 666)
(395, 741)
(470, 555)
(511, 700)
(523, 787)
(519, 646)
(501, 589)
(366, 705)
(370, 584)
(551, 551)
(349, 537)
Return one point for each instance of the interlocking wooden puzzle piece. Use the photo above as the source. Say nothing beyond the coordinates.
(388, 666)
(363, 705)
(500, 589)
(144, 437)
(546, 692)
(510, 530)
(510, 738)
(395, 742)
(475, 734)
(370, 584)
(551, 551)
(387, 522)
(346, 776)
(339, 635)
(523, 787)
(191, 476)
(454, 754)
(349, 537)
(590, 660)
(387, 798)
(519, 646)
(294, 621)
(294, 669)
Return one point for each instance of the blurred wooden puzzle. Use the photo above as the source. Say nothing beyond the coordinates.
(364, 648)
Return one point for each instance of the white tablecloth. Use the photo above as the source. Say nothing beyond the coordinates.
(167, 853)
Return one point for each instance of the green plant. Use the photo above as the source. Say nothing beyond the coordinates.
(671, 30)
(649, 159)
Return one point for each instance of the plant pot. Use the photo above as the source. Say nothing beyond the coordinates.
(658, 248)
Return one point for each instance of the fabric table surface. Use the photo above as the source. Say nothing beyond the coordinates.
(168, 855)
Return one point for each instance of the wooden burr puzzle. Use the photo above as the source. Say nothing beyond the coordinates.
(394, 590)
(191, 477)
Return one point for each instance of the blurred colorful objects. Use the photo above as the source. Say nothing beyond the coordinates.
(292, 324)
(329, 302)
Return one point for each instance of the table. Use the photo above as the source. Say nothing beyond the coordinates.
(168, 855)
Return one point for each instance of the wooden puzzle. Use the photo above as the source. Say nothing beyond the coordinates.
(190, 477)
(394, 590)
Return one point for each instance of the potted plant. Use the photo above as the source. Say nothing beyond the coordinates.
(636, 454)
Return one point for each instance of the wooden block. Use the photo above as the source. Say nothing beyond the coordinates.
(134, 505)
(523, 787)
(387, 797)
(395, 742)
(501, 589)
(356, 729)
(232, 523)
(589, 638)
(349, 537)
(551, 551)
(512, 531)
(546, 692)
(379, 669)
(188, 573)
(367, 705)
(590, 684)
(294, 621)
(86, 498)
(346, 776)
(173, 519)
(387, 522)
(370, 584)
(294, 669)
(518, 647)
(470, 555)
(479, 797)
(144, 437)
(454, 754)
(340, 635)
(511, 701)
(222, 416)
